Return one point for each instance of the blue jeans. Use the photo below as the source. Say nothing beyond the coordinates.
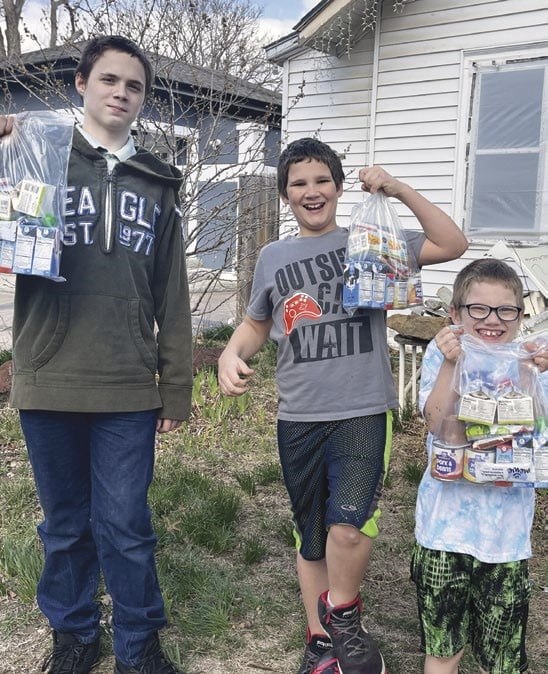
(92, 473)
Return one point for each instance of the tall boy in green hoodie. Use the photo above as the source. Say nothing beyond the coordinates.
(86, 363)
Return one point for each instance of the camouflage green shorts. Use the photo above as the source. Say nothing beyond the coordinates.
(462, 600)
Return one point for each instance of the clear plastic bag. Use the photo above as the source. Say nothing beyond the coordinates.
(34, 161)
(377, 271)
(502, 402)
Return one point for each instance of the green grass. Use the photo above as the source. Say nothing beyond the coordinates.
(226, 551)
(404, 417)
(413, 472)
(269, 473)
(10, 429)
(21, 560)
(253, 551)
(247, 481)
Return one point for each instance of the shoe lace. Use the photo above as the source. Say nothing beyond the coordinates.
(63, 658)
(310, 661)
(356, 641)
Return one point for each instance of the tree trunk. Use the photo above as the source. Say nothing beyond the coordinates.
(12, 14)
(257, 225)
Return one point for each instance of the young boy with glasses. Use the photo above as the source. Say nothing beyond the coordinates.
(472, 541)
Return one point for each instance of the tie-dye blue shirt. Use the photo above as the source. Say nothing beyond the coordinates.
(491, 523)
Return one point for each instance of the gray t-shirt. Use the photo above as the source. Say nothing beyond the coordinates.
(331, 365)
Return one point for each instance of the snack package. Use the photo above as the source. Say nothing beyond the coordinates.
(377, 273)
(33, 183)
(502, 404)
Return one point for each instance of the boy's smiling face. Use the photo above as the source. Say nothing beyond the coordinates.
(492, 328)
(312, 196)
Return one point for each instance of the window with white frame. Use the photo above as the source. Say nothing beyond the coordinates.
(170, 148)
(507, 177)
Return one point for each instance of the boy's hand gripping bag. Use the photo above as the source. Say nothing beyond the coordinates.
(34, 161)
(377, 272)
(502, 403)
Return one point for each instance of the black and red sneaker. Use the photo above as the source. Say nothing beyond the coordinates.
(354, 648)
(327, 664)
(317, 647)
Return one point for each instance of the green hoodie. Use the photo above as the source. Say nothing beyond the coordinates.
(116, 336)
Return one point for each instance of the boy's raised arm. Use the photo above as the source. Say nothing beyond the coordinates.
(247, 339)
(444, 240)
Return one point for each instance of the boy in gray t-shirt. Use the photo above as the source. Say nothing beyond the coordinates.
(335, 392)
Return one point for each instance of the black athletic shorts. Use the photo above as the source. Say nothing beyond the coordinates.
(334, 472)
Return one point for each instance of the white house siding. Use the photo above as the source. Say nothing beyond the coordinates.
(419, 108)
(330, 98)
(419, 93)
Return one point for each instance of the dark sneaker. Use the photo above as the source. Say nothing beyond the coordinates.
(327, 664)
(317, 646)
(69, 656)
(355, 650)
(153, 662)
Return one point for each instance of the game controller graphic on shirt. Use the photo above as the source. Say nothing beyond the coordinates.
(300, 306)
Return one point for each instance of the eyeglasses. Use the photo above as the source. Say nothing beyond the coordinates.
(482, 311)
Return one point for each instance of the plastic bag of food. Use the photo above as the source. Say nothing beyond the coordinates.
(502, 401)
(377, 270)
(33, 183)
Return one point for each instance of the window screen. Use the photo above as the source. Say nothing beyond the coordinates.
(507, 151)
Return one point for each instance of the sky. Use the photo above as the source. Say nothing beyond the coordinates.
(278, 18)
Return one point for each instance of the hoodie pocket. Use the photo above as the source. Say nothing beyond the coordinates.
(99, 338)
(51, 334)
(143, 336)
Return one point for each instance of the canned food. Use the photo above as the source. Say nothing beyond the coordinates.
(473, 456)
(447, 461)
